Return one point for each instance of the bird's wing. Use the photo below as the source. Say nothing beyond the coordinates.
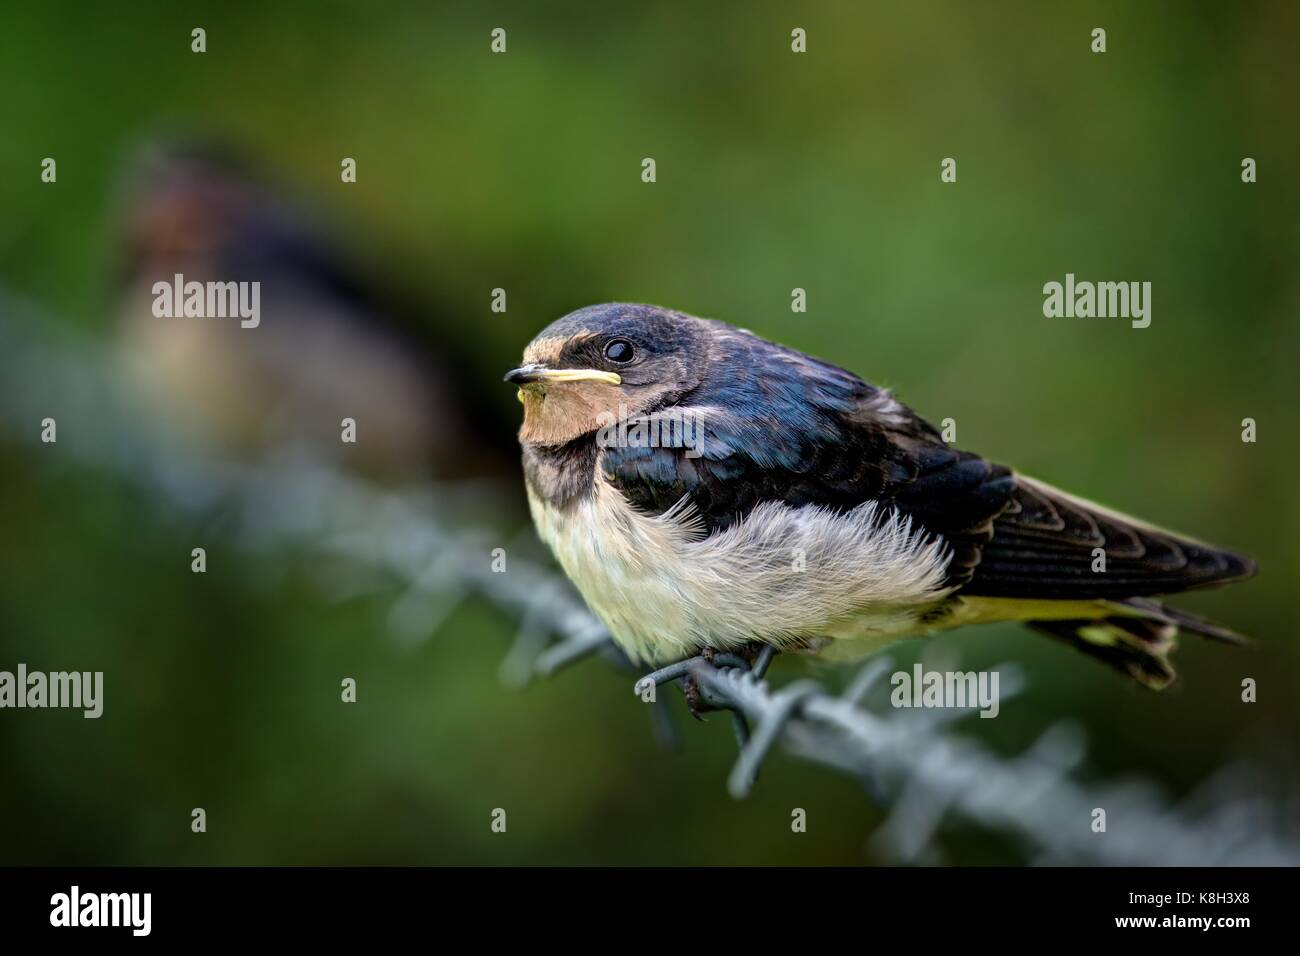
(1010, 536)
(826, 453)
(1045, 545)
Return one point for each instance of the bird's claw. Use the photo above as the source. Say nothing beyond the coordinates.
(753, 658)
(695, 702)
(747, 658)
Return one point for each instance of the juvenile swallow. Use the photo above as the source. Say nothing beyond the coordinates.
(707, 489)
(330, 343)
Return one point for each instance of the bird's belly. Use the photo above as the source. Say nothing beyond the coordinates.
(791, 577)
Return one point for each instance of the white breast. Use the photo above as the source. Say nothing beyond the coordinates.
(783, 575)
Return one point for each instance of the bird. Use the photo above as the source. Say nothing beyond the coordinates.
(708, 490)
(332, 342)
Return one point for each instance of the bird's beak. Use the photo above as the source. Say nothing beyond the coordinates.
(540, 374)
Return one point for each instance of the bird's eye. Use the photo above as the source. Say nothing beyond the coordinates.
(619, 351)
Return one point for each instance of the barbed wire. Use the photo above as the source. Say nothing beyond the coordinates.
(912, 762)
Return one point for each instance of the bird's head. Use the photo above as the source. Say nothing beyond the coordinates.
(182, 203)
(605, 363)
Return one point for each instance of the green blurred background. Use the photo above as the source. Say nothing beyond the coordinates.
(775, 170)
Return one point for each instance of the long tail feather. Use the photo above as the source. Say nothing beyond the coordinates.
(1138, 638)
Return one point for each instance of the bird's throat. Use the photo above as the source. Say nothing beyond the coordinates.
(557, 414)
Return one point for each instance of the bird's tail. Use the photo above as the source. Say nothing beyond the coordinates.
(1138, 638)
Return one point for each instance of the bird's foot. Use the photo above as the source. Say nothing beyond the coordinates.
(691, 687)
(750, 657)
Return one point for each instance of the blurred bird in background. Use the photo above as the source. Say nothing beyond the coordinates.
(753, 495)
(327, 346)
